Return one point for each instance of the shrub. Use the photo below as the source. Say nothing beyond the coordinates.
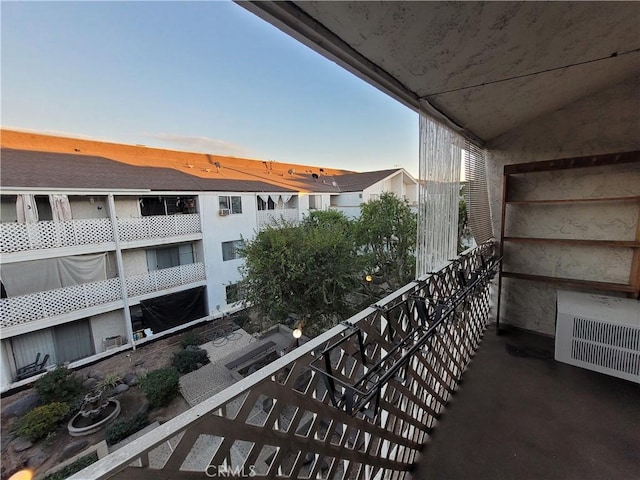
(121, 429)
(161, 386)
(72, 468)
(189, 338)
(59, 385)
(41, 421)
(187, 361)
(110, 381)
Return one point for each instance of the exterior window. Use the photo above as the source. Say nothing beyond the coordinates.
(233, 293)
(268, 205)
(44, 207)
(64, 343)
(167, 257)
(230, 250)
(150, 206)
(315, 202)
(231, 205)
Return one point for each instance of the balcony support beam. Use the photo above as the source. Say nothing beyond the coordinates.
(120, 266)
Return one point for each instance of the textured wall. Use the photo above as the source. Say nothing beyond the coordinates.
(606, 122)
(107, 325)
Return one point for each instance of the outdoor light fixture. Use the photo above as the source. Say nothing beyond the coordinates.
(369, 278)
(22, 475)
(297, 333)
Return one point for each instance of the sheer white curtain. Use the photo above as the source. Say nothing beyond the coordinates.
(438, 194)
(60, 208)
(26, 208)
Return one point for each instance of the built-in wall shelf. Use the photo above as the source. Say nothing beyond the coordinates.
(574, 200)
(520, 181)
(573, 282)
(577, 242)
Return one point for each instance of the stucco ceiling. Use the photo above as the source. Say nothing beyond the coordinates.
(488, 66)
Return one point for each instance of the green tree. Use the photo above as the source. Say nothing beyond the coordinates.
(386, 235)
(309, 269)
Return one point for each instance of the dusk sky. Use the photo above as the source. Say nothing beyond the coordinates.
(196, 76)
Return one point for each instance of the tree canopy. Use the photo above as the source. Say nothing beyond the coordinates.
(307, 269)
(386, 235)
(316, 269)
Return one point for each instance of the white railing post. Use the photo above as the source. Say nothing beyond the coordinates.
(120, 266)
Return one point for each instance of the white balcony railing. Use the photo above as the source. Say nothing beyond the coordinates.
(19, 237)
(166, 278)
(269, 217)
(158, 226)
(357, 402)
(36, 306)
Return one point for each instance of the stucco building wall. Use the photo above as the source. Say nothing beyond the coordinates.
(606, 122)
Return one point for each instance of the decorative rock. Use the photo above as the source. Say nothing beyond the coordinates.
(21, 444)
(21, 406)
(72, 448)
(97, 374)
(139, 363)
(130, 379)
(121, 388)
(141, 372)
(90, 383)
(37, 458)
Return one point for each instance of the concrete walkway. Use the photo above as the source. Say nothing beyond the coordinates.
(214, 377)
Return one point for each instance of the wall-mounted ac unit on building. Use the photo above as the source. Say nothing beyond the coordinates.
(223, 212)
(600, 333)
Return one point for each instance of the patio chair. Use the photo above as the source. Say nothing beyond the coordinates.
(33, 368)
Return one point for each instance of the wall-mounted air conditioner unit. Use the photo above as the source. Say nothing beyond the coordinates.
(223, 212)
(600, 333)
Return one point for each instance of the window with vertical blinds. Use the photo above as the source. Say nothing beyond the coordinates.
(477, 193)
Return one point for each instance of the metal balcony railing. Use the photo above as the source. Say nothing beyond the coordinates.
(19, 237)
(357, 402)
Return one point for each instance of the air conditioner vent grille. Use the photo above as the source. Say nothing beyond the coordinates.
(600, 333)
(606, 356)
(609, 334)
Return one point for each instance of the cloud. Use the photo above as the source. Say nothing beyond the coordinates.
(200, 143)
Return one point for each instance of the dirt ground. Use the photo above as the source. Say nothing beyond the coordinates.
(44, 455)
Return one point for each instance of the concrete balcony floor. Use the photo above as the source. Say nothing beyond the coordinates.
(519, 414)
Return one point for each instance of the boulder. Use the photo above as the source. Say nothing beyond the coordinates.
(130, 379)
(21, 406)
(120, 388)
(90, 383)
(97, 374)
(37, 458)
(21, 444)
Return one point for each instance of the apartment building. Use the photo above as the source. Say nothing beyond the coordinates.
(105, 247)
